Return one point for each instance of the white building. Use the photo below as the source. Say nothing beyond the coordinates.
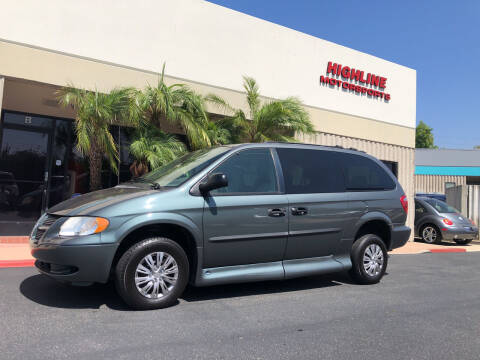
(106, 44)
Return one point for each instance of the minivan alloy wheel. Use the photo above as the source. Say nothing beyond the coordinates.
(429, 234)
(373, 260)
(156, 275)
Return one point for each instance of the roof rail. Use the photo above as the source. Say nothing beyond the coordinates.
(300, 143)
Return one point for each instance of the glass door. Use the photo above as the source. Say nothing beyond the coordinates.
(24, 164)
(38, 169)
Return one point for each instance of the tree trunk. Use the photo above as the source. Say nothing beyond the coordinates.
(95, 159)
(138, 169)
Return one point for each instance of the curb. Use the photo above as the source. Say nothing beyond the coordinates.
(433, 251)
(16, 263)
(455, 250)
(14, 239)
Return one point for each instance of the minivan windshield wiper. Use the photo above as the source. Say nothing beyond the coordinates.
(154, 185)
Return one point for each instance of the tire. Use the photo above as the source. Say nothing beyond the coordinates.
(364, 274)
(166, 284)
(463, 241)
(430, 229)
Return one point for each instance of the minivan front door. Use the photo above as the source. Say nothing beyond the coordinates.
(246, 222)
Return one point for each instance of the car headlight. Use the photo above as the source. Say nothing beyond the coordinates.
(83, 225)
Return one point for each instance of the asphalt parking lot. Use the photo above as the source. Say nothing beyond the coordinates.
(426, 307)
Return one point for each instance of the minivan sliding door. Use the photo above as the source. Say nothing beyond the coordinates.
(318, 205)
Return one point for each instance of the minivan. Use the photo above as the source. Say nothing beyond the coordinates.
(227, 214)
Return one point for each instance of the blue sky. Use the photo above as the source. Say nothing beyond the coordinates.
(440, 39)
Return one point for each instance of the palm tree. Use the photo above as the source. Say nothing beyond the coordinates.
(218, 133)
(96, 112)
(178, 105)
(275, 120)
(153, 148)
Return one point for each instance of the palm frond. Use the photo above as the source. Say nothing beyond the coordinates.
(253, 95)
(220, 103)
(155, 148)
(282, 119)
(95, 112)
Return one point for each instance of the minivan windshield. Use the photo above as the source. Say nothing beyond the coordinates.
(183, 168)
(441, 207)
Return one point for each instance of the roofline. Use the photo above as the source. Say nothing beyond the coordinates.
(287, 144)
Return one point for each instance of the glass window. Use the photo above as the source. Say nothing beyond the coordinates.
(364, 174)
(449, 185)
(249, 171)
(27, 120)
(419, 209)
(311, 171)
(183, 168)
(392, 166)
(441, 207)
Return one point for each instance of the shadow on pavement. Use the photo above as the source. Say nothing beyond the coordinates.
(193, 294)
(45, 291)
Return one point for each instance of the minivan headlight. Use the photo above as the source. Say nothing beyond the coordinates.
(83, 225)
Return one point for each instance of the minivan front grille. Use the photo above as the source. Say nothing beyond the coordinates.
(44, 226)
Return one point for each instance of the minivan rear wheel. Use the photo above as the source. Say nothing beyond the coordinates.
(152, 274)
(369, 259)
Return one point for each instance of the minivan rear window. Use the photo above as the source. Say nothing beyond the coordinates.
(311, 171)
(364, 174)
(308, 171)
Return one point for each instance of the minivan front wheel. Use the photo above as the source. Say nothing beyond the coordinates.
(369, 259)
(152, 274)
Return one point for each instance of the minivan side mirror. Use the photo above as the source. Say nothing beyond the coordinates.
(214, 181)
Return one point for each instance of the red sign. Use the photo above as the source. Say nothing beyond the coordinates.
(356, 81)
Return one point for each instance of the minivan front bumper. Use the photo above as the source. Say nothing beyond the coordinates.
(76, 264)
(399, 236)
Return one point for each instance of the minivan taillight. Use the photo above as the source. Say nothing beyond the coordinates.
(404, 202)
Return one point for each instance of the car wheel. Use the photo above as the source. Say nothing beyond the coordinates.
(152, 274)
(430, 234)
(463, 241)
(369, 259)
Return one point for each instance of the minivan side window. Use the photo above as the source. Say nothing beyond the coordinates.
(248, 172)
(364, 174)
(309, 171)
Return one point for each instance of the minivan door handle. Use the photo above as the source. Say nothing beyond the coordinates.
(300, 211)
(276, 212)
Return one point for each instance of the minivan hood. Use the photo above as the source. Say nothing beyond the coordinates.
(89, 203)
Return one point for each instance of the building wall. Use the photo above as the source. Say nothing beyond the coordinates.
(49, 69)
(2, 84)
(404, 156)
(436, 183)
(207, 44)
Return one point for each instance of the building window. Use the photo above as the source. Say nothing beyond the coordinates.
(392, 165)
(449, 185)
(473, 180)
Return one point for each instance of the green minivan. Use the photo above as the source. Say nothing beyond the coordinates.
(238, 213)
